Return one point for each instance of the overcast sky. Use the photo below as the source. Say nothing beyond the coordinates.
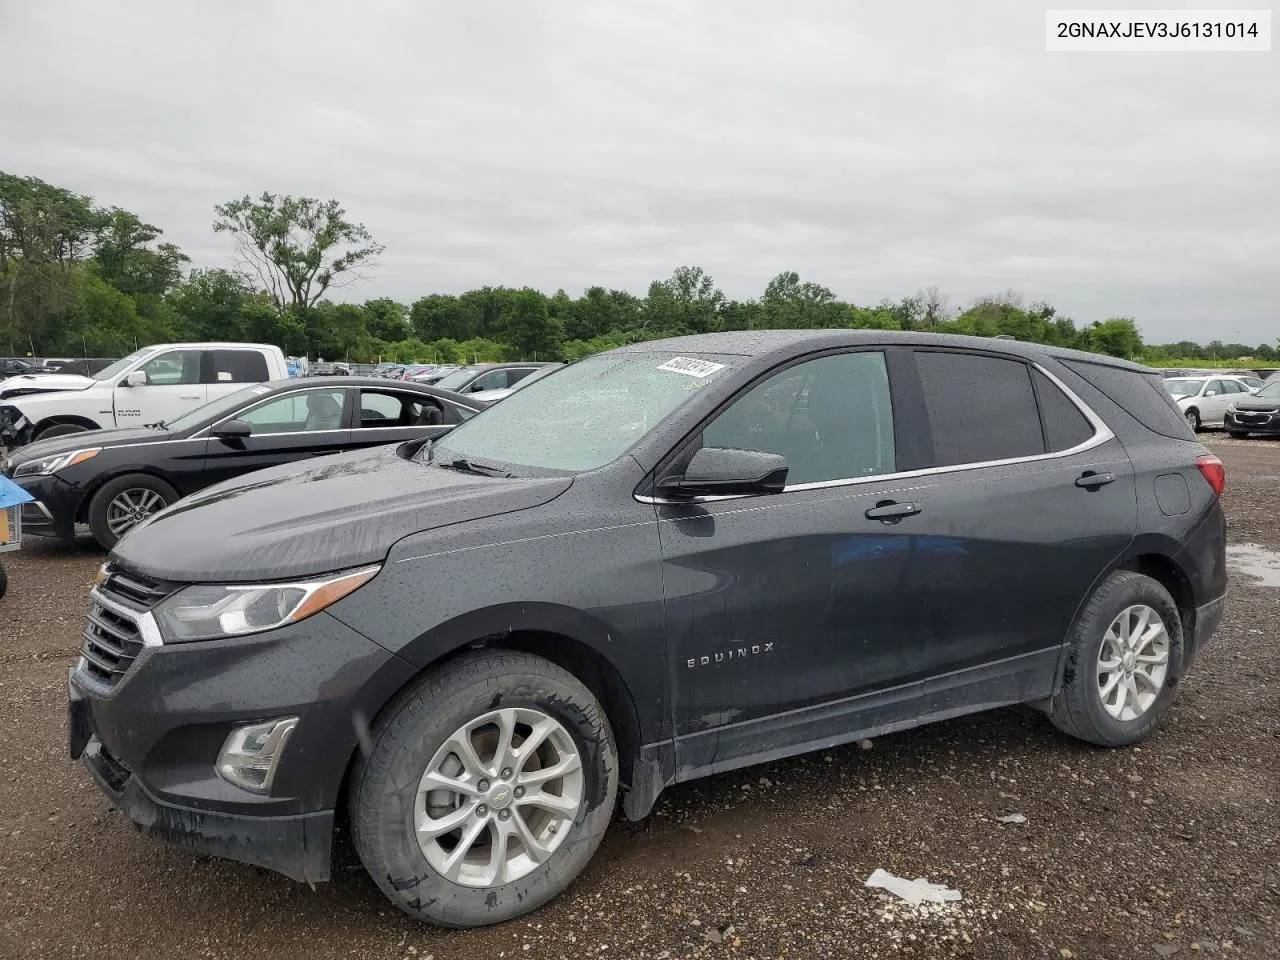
(874, 147)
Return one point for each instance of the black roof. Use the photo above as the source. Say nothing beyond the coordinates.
(374, 383)
(762, 343)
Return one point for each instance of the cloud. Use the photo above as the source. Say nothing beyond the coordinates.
(874, 148)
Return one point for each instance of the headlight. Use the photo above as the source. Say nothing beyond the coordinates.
(50, 465)
(1231, 407)
(212, 611)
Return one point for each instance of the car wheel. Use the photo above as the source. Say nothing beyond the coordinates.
(1237, 434)
(489, 786)
(123, 503)
(1123, 663)
(61, 430)
(1193, 420)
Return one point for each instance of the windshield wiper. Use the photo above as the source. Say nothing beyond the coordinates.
(469, 466)
(158, 425)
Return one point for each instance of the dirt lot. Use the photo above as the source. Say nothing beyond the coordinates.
(1171, 848)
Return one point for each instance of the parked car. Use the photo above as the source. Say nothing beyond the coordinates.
(1204, 400)
(668, 560)
(12, 367)
(54, 364)
(436, 375)
(1258, 413)
(489, 376)
(117, 478)
(154, 385)
(493, 396)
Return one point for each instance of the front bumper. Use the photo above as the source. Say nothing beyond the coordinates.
(1246, 421)
(53, 512)
(151, 740)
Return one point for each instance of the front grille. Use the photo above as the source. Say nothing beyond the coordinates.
(112, 637)
(1253, 419)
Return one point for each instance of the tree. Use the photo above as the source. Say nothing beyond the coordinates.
(386, 319)
(127, 260)
(788, 303)
(299, 247)
(1117, 337)
(529, 328)
(687, 302)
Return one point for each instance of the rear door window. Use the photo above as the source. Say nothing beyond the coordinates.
(980, 408)
(236, 366)
(380, 408)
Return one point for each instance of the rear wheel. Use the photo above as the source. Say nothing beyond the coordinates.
(123, 503)
(61, 430)
(1123, 663)
(1193, 419)
(488, 788)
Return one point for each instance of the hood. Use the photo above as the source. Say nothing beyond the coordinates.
(32, 383)
(309, 518)
(1258, 403)
(89, 438)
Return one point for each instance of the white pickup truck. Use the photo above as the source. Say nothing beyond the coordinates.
(157, 383)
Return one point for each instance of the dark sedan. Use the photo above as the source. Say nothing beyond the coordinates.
(1259, 413)
(114, 479)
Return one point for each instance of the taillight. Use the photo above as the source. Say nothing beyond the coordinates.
(1211, 469)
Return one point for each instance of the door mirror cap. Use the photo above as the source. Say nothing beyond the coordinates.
(232, 429)
(136, 378)
(720, 472)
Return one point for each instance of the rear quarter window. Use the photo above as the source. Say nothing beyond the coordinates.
(1142, 395)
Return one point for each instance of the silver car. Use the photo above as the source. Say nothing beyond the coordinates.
(1204, 400)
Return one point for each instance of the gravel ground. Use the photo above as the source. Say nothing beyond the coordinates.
(1171, 848)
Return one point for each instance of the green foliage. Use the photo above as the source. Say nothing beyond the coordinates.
(297, 246)
(76, 278)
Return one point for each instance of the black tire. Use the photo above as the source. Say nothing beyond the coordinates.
(1077, 709)
(61, 430)
(1193, 420)
(407, 737)
(101, 501)
(1237, 434)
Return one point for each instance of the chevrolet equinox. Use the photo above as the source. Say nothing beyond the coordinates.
(669, 560)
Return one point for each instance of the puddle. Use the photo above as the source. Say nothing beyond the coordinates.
(1254, 561)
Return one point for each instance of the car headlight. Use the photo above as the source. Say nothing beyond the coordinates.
(45, 466)
(212, 611)
(1231, 407)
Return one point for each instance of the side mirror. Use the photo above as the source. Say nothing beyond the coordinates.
(137, 378)
(232, 430)
(1211, 393)
(717, 472)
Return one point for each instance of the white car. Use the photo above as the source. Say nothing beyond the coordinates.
(1204, 400)
(154, 384)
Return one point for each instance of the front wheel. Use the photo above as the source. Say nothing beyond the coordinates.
(1123, 663)
(123, 503)
(488, 789)
(1193, 420)
(60, 430)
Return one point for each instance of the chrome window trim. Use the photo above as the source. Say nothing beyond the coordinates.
(1102, 434)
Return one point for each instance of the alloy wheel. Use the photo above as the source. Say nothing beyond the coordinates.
(130, 507)
(1133, 662)
(498, 797)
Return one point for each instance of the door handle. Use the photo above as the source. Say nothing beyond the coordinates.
(1092, 480)
(890, 511)
(189, 396)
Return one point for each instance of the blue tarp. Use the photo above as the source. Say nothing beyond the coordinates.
(11, 494)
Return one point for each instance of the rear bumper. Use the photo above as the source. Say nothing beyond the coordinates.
(297, 846)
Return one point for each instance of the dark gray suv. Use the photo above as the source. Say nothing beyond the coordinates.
(666, 561)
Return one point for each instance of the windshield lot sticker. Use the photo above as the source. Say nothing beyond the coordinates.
(690, 367)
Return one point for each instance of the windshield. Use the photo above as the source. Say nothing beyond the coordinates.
(587, 415)
(1269, 390)
(215, 409)
(119, 367)
(456, 379)
(1183, 388)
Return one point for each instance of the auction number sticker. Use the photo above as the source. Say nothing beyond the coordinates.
(690, 367)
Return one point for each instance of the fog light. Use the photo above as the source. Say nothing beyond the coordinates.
(251, 754)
